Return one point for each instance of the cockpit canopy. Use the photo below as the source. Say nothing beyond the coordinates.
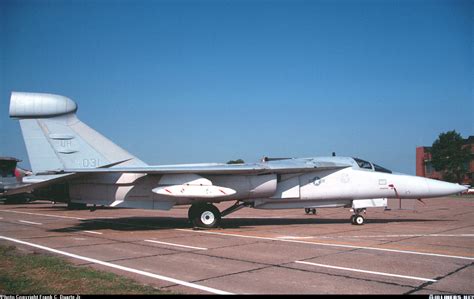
(372, 166)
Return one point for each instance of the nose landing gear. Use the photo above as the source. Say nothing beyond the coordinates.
(358, 219)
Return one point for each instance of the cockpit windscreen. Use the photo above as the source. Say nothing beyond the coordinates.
(381, 169)
(363, 164)
(367, 165)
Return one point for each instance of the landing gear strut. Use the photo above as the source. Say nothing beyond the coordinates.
(358, 219)
(310, 210)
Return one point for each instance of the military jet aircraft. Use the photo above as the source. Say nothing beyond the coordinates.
(88, 169)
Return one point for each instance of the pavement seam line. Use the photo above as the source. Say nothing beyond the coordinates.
(334, 245)
(287, 266)
(439, 278)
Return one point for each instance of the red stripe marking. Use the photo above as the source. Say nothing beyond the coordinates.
(222, 191)
(168, 191)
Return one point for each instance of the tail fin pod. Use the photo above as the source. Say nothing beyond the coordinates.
(56, 139)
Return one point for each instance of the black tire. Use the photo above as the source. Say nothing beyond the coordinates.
(205, 216)
(358, 220)
(313, 211)
(191, 212)
(307, 210)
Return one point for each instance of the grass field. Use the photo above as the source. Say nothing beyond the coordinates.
(33, 273)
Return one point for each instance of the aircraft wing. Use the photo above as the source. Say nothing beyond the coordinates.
(279, 167)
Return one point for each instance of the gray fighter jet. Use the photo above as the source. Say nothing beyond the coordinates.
(86, 168)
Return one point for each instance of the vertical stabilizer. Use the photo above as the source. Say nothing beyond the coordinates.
(56, 139)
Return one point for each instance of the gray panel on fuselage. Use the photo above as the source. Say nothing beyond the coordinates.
(328, 184)
(113, 187)
(246, 186)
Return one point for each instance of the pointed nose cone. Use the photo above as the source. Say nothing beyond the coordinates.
(440, 188)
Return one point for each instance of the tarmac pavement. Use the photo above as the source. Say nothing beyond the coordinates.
(427, 251)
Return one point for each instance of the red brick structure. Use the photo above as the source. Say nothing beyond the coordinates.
(425, 169)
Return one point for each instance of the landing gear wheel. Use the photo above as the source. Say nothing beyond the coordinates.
(192, 211)
(357, 220)
(205, 216)
(310, 211)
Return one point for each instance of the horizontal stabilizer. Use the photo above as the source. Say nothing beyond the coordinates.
(40, 180)
(34, 182)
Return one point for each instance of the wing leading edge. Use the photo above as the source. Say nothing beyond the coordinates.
(279, 167)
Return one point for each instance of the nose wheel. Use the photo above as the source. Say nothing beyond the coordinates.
(357, 218)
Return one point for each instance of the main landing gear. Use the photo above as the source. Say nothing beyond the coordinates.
(358, 219)
(310, 211)
(206, 215)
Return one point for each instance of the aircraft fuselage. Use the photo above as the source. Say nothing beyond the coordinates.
(319, 188)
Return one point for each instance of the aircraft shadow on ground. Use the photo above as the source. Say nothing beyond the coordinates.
(158, 223)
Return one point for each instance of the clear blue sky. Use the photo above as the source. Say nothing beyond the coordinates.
(210, 81)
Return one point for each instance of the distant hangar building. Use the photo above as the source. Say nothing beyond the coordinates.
(425, 168)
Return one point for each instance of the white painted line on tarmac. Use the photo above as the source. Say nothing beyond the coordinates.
(379, 236)
(123, 268)
(178, 245)
(47, 215)
(294, 237)
(400, 236)
(29, 222)
(331, 244)
(92, 232)
(365, 271)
